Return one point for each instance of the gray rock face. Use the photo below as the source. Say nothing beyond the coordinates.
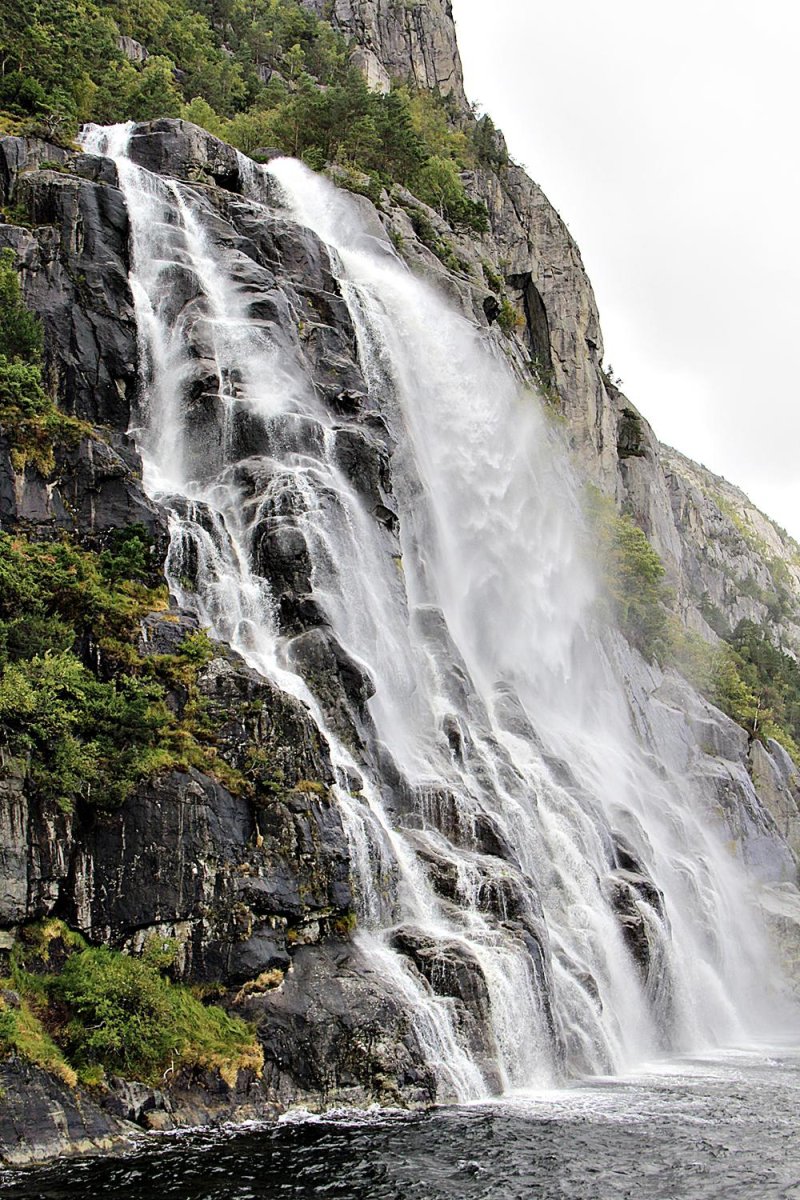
(95, 489)
(413, 42)
(75, 276)
(718, 549)
(334, 1031)
(543, 267)
(132, 49)
(777, 785)
(734, 562)
(42, 1118)
(185, 151)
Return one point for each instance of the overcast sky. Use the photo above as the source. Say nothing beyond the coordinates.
(667, 138)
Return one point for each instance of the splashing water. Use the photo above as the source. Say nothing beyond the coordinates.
(506, 816)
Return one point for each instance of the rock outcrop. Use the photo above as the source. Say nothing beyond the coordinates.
(718, 549)
(413, 42)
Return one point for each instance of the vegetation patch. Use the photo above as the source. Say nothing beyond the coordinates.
(509, 319)
(270, 74)
(84, 1012)
(746, 675)
(88, 714)
(632, 575)
(427, 234)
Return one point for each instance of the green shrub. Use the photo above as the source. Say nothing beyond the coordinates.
(426, 233)
(493, 280)
(63, 66)
(509, 319)
(93, 727)
(20, 331)
(126, 1017)
(487, 144)
(82, 736)
(22, 1032)
(119, 1012)
(128, 556)
(439, 185)
(633, 576)
(90, 1011)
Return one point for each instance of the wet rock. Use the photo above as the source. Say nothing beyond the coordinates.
(341, 685)
(186, 859)
(42, 1118)
(75, 277)
(364, 462)
(165, 632)
(334, 1033)
(627, 892)
(281, 555)
(265, 154)
(134, 1101)
(491, 307)
(185, 151)
(94, 490)
(95, 168)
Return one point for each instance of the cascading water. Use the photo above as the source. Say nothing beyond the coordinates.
(501, 812)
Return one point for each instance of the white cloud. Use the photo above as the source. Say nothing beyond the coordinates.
(666, 137)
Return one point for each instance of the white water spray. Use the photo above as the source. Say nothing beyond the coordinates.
(478, 641)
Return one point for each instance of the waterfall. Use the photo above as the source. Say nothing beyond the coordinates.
(507, 823)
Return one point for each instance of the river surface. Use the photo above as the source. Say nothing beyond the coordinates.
(725, 1128)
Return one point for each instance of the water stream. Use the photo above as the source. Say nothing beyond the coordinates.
(499, 804)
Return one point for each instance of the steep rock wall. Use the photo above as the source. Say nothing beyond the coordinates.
(413, 42)
(716, 546)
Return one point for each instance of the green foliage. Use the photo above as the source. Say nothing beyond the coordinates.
(749, 678)
(357, 182)
(22, 1032)
(128, 555)
(20, 332)
(493, 280)
(155, 92)
(633, 576)
(487, 144)
(78, 703)
(47, 580)
(200, 112)
(440, 246)
(772, 679)
(119, 1012)
(266, 73)
(509, 319)
(90, 1011)
(438, 183)
(433, 122)
(82, 736)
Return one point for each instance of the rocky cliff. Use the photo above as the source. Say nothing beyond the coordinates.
(716, 545)
(251, 880)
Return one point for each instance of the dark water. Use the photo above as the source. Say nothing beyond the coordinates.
(727, 1129)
